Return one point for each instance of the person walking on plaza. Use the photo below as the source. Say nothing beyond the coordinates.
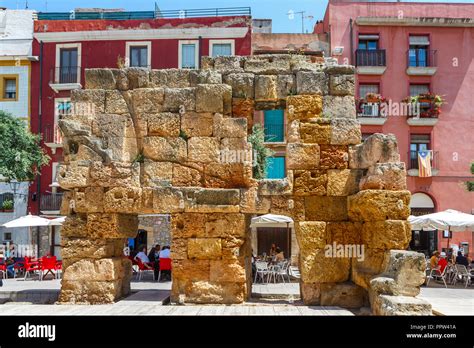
(154, 256)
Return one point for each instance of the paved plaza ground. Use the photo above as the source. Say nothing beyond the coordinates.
(151, 298)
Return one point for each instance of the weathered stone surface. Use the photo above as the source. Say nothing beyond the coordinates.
(311, 235)
(73, 175)
(107, 269)
(276, 187)
(345, 131)
(180, 99)
(115, 174)
(99, 79)
(165, 149)
(225, 127)
(385, 176)
(191, 270)
(244, 108)
(378, 148)
(81, 248)
(186, 176)
(267, 66)
(339, 107)
(390, 234)
(315, 267)
(315, 133)
(148, 100)
(164, 124)
(400, 305)
(171, 78)
(210, 292)
(339, 69)
(228, 64)
(74, 226)
(344, 233)
(286, 85)
(302, 156)
(90, 292)
(100, 226)
(122, 200)
(167, 200)
(155, 172)
(346, 295)
(227, 175)
(311, 82)
(204, 248)
(214, 98)
(266, 87)
(94, 96)
(308, 183)
(115, 103)
(310, 293)
(137, 77)
(203, 149)
(209, 200)
(304, 107)
(293, 132)
(341, 85)
(363, 270)
(107, 125)
(242, 84)
(379, 205)
(252, 202)
(343, 182)
(197, 77)
(227, 271)
(197, 124)
(323, 208)
(333, 157)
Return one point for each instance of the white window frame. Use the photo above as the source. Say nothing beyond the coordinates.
(231, 42)
(180, 52)
(130, 44)
(54, 172)
(56, 113)
(58, 60)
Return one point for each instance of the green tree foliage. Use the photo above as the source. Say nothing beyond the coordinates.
(21, 156)
(470, 184)
(257, 139)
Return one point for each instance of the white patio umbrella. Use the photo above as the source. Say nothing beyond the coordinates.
(451, 220)
(27, 221)
(58, 221)
(272, 220)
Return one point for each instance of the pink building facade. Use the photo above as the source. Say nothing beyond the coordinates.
(411, 49)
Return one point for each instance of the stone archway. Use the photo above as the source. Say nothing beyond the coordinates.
(155, 145)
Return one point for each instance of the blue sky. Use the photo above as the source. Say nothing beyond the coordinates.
(274, 9)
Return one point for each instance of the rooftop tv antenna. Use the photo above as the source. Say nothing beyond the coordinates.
(291, 15)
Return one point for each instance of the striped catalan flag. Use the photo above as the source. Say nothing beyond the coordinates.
(424, 164)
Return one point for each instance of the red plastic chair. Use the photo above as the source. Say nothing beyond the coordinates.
(3, 268)
(59, 268)
(142, 268)
(31, 266)
(165, 265)
(48, 265)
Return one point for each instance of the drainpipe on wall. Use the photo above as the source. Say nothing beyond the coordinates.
(352, 42)
(38, 183)
(200, 52)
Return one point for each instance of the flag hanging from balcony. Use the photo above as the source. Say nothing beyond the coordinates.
(424, 164)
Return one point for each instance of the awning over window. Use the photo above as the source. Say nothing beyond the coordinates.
(368, 36)
(419, 40)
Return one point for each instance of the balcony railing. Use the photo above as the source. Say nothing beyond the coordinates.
(421, 58)
(64, 74)
(274, 133)
(370, 58)
(413, 160)
(51, 201)
(369, 110)
(52, 135)
(128, 15)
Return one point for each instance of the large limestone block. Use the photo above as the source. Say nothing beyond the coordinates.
(341, 85)
(180, 99)
(310, 293)
(188, 225)
(121, 79)
(311, 82)
(171, 78)
(186, 176)
(204, 248)
(346, 295)
(385, 176)
(137, 77)
(307, 183)
(225, 225)
(73, 176)
(253, 203)
(343, 182)
(379, 205)
(203, 149)
(165, 149)
(179, 251)
(89, 201)
(107, 269)
(81, 248)
(214, 98)
(378, 148)
(304, 107)
(99, 79)
(345, 233)
(227, 175)
(315, 132)
(148, 100)
(121, 149)
(286, 85)
(115, 103)
(266, 87)
(339, 107)
(74, 226)
(227, 271)
(225, 127)
(167, 200)
(334, 157)
(302, 156)
(96, 98)
(156, 172)
(71, 128)
(276, 187)
(228, 64)
(337, 69)
(90, 292)
(191, 270)
(209, 200)
(294, 208)
(311, 235)
(345, 131)
(366, 268)
(315, 267)
(270, 66)
(207, 292)
(197, 77)
(195, 124)
(293, 132)
(242, 84)
(231, 247)
(244, 108)
(387, 305)
(122, 200)
(115, 174)
(324, 208)
(390, 234)
(101, 225)
(107, 125)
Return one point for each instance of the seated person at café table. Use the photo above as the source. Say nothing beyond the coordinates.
(279, 256)
(144, 258)
(165, 252)
(272, 251)
(434, 260)
(442, 263)
(461, 259)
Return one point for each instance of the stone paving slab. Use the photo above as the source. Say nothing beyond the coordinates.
(449, 301)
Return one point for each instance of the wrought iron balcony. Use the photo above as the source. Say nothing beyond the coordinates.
(370, 58)
(413, 160)
(51, 201)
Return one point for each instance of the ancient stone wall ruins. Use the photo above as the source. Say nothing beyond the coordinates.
(154, 145)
